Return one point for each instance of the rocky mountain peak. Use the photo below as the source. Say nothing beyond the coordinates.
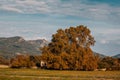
(12, 45)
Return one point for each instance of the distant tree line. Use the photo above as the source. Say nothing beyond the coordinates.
(109, 63)
(69, 49)
(27, 61)
(4, 61)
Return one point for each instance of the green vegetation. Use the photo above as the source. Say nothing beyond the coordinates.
(38, 74)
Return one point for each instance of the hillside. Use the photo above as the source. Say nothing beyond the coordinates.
(116, 56)
(100, 55)
(103, 56)
(11, 46)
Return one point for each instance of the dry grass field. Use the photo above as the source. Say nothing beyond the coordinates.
(38, 74)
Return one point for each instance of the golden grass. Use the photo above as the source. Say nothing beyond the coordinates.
(38, 74)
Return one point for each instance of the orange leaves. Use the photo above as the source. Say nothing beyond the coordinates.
(70, 49)
(21, 61)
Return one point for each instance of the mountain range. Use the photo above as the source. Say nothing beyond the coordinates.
(116, 56)
(11, 46)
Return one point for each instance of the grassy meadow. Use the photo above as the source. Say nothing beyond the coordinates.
(38, 74)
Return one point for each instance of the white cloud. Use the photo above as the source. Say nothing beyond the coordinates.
(112, 32)
(33, 6)
(12, 9)
(104, 41)
(99, 11)
(26, 6)
(107, 36)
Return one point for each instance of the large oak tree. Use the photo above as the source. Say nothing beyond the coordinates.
(70, 49)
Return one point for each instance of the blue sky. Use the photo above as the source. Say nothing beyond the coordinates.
(36, 19)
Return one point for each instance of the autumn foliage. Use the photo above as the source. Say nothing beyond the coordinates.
(109, 63)
(21, 61)
(70, 49)
(3, 61)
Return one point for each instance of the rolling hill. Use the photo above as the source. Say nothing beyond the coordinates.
(100, 55)
(11, 46)
(116, 56)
